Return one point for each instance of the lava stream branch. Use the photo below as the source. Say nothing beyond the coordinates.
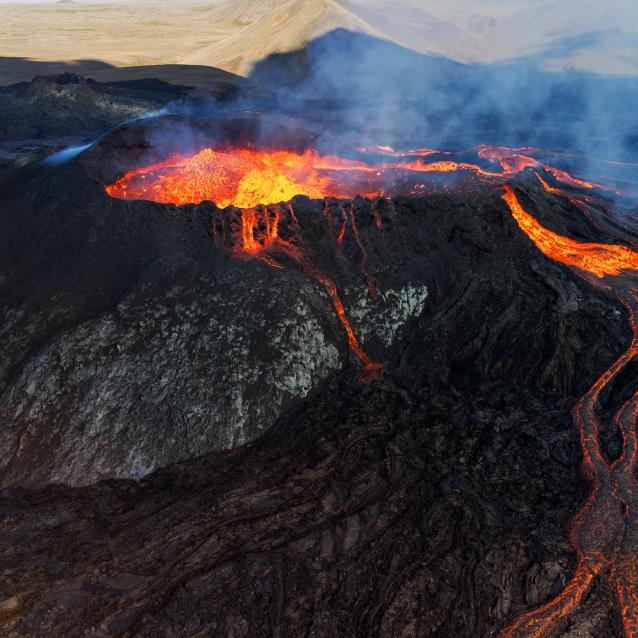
(260, 238)
(604, 533)
(584, 413)
(539, 622)
(370, 283)
(372, 370)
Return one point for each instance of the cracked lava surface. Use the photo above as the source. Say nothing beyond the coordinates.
(604, 533)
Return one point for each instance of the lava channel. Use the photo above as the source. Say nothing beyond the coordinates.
(604, 533)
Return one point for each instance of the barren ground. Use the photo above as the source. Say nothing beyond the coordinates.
(93, 37)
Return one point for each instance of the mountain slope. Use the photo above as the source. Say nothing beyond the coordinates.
(579, 34)
(555, 34)
(272, 27)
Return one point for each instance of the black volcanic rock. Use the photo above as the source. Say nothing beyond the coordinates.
(430, 503)
(52, 111)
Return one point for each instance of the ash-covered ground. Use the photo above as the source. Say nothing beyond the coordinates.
(187, 449)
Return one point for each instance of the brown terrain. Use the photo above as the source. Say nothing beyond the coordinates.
(233, 35)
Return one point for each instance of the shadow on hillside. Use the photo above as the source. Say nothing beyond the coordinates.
(14, 70)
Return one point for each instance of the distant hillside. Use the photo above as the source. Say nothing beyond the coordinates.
(267, 27)
(586, 35)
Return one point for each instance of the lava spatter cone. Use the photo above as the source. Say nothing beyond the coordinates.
(251, 179)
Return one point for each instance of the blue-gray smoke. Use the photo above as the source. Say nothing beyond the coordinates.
(348, 90)
(359, 90)
(66, 154)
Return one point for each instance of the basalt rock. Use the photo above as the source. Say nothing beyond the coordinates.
(53, 112)
(432, 502)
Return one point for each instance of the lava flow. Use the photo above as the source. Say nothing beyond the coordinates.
(259, 237)
(604, 533)
(247, 179)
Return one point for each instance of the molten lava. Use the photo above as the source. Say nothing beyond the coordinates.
(604, 533)
(245, 178)
(239, 177)
(598, 259)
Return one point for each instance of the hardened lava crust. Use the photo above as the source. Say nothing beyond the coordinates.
(230, 469)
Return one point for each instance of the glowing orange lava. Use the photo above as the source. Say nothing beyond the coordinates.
(598, 259)
(244, 178)
(604, 533)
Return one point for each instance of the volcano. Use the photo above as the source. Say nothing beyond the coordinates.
(258, 384)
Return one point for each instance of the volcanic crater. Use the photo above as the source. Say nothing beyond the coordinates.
(412, 353)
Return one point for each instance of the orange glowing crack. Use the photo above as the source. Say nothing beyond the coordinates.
(370, 283)
(259, 238)
(546, 186)
(543, 619)
(372, 370)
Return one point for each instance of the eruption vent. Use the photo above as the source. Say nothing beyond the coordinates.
(242, 177)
